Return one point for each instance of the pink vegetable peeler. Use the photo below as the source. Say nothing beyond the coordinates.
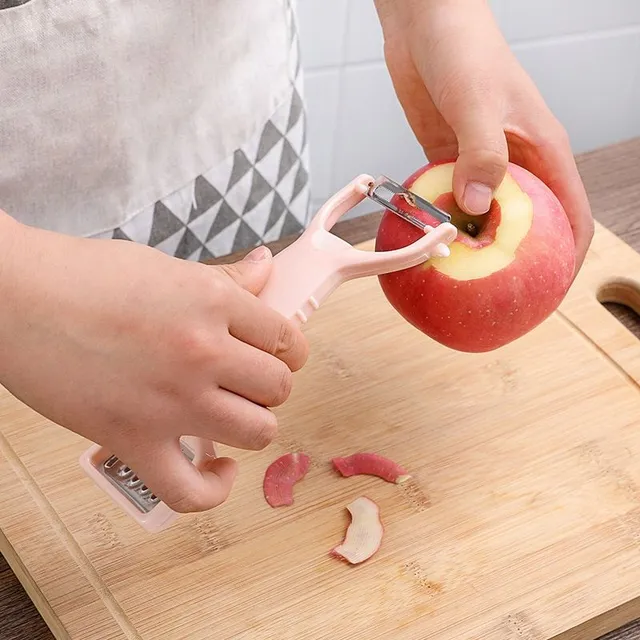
(303, 275)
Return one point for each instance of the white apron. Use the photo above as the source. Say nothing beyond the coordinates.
(176, 124)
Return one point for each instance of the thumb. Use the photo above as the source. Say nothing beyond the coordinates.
(181, 485)
(482, 160)
(252, 272)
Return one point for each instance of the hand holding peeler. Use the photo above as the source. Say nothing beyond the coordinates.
(303, 275)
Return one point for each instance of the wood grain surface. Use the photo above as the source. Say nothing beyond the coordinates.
(612, 177)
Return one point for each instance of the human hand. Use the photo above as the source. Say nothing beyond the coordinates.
(133, 349)
(466, 96)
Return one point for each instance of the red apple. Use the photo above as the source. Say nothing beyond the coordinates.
(508, 270)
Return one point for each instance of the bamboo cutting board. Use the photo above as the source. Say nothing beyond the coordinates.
(522, 521)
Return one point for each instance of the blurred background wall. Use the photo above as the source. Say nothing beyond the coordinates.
(584, 56)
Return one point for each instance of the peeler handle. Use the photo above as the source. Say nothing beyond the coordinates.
(303, 275)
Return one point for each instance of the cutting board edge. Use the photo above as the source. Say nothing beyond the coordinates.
(605, 623)
(599, 281)
(27, 570)
(28, 583)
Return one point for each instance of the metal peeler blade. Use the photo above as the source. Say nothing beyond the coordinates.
(385, 184)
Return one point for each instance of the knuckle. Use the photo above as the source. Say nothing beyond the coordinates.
(264, 432)
(552, 135)
(219, 289)
(285, 385)
(195, 347)
(555, 130)
(304, 354)
(487, 164)
(286, 340)
(491, 159)
(188, 502)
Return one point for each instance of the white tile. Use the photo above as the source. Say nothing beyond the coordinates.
(530, 19)
(364, 33)
(373, 134)
(322, 27)
(322, 95)
(591, 85)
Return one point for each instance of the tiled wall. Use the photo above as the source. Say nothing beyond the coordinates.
(584, 56)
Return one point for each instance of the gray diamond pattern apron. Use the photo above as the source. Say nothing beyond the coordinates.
(183, 128)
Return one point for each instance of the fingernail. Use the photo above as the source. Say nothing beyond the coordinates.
(477, 197)
(257, 255)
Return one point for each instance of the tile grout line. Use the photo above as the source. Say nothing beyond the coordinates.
(517, 44)
(578, 36)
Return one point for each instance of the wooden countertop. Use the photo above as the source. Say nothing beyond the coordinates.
(612, 178)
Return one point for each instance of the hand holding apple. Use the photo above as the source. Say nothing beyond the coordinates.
(508, 270)
(466, 96)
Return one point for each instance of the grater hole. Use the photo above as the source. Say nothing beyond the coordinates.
(110, 463)
(124, 472)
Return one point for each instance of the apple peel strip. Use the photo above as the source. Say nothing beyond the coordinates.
(281, 476)
(364, 534)
(371, 464)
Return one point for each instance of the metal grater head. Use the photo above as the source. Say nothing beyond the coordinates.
(126, 481)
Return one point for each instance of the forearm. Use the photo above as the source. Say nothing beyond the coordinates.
(422, 5)
(443, 18)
